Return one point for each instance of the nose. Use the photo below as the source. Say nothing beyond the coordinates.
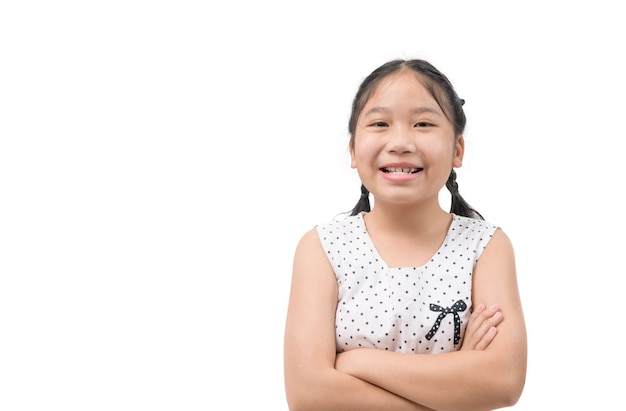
(401, 140)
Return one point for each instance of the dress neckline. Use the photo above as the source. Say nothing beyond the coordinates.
(370, 243)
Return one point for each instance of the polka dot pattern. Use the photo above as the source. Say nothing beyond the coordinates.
(406, 309)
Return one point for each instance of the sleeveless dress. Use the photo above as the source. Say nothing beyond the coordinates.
(405, 309)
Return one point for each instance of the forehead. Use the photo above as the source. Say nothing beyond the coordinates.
(401, 88)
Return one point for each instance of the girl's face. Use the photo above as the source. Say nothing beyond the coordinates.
(404, 146)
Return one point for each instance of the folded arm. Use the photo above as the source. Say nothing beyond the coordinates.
(469, 379)
(311, 380)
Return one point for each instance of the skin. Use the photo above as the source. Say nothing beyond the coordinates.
(402, 125)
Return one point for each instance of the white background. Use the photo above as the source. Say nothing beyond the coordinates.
(159, 161)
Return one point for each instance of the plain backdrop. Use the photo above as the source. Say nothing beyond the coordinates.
(159, 161)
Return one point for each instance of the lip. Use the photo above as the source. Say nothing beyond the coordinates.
(405, 166)
(402, 164)
(400, 171)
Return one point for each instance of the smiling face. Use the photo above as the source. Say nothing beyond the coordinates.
(404, 146)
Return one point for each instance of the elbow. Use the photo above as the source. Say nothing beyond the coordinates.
(301, 403)
(294, 404)
(509, 387)
(508, 378)
(297, 403)
(501, 387)
(299, 399)
(308, 391)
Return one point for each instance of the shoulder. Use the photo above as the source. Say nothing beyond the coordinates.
(493, 235)
(500, 245)
(325, 238)
(473, 232)
(497, 262)
(474, 224)
(308, 241)
(340, 223)
(314, 241)
(340, 227)
(311, 264)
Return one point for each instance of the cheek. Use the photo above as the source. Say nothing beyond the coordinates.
(442, 151)
(362, 150)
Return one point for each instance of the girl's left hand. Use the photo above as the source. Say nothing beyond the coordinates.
(481, 328)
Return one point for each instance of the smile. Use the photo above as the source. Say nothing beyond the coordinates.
(400, 170)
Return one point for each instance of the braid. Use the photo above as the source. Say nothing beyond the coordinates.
(459, 206)
(364, 202)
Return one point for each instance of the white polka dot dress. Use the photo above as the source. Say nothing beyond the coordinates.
(407, 309)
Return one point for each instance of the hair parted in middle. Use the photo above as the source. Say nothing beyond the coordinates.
(446, 97)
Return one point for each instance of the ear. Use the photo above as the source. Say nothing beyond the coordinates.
(352, 159)
(459, 149)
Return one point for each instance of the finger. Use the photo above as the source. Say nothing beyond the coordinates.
(487, 338)
(489, 317)
(478, 317)
(485, 322)
(475, 319)
(478, 334)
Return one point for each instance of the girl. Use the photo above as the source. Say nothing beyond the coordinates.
(402, 305)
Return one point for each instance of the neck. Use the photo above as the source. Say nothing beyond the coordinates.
(410, 219)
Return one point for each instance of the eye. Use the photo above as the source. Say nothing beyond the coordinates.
(379, 124)
(422, 124)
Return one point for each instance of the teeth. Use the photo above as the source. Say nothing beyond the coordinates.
(401, 170)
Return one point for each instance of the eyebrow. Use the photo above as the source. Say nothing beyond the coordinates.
(418, 110)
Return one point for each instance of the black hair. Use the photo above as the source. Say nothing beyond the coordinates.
(444, 94)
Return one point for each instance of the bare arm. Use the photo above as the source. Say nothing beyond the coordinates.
(311, 380)
(469, 379)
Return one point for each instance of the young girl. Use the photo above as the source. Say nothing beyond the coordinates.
(402, 305)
